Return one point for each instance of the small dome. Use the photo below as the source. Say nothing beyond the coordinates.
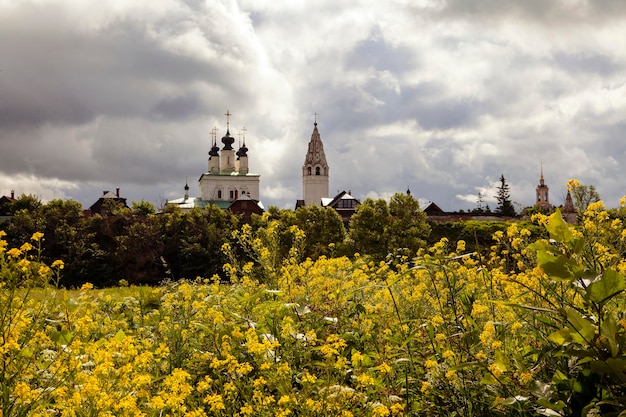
(243, 151)
(215, 151)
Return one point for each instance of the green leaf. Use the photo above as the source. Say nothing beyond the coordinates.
(27, 353)
(119, 336)
(541, 389)
(609, 331)
(558, 229)
(555, 266)
(561, 337)
(301, 310)
(64, 337)
(610, 284)
(582, 330)
(489, 379)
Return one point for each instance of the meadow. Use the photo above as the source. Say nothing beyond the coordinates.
(529, 328)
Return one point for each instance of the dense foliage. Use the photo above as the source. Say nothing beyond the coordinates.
(138, 246)
(534, 327)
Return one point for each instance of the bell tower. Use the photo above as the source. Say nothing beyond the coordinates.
(543, 198)
(315, 171)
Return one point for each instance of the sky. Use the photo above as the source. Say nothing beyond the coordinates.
(441, 97)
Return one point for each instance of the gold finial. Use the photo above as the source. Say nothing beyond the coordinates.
(228, 114)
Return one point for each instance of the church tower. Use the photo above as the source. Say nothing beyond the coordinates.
(315, 171)
(543, 199)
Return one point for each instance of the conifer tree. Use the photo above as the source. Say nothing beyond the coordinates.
(505, 206)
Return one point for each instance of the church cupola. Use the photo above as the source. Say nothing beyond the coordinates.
(315, 171)
(214, 153)
(242, 155)
(228, 153)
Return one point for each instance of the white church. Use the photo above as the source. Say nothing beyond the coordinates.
(228, 182)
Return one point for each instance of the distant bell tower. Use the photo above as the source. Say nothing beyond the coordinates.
(315, 171)
(543, 198)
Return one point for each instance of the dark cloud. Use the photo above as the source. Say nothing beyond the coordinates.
(442, 98)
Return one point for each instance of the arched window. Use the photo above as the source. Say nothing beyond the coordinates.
(309, 170)
(317, 170)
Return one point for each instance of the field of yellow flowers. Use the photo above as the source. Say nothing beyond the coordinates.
(531, 328)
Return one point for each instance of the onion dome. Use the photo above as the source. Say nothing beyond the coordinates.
(215, 151)
(228, 142)
(243, 151)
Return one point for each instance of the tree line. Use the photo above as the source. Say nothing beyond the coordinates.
(137, 245)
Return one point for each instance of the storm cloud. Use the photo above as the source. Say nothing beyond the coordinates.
(441, 97)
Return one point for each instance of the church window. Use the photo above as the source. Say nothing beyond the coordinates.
(317, 170)
(232, 194)
(219, 193)
(309, 170)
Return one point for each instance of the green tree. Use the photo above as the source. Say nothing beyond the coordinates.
(143, 208)
(503, 196)
(408, 228)
(379, 229)
(582, 195)
(368, 229)
(323, 230)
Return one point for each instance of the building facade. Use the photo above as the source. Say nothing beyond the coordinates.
(315, 171)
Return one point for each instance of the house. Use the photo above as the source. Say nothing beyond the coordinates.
(104, 204)
(343, 203)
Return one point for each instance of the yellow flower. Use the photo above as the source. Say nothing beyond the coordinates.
(14, 253)
(36, 236)
(365, 380)
(215, 402)
(380, 411)
(495, 370)
(26, 247)
(573, 183)
(58, 264)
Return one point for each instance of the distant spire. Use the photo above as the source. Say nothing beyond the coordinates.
(315, 114)
(408, 191)
(186, 188)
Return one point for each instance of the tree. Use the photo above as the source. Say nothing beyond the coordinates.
(408, 228)
(505, 206)
(368, 228)
(322, 226)
(582, 195)
(379, 229)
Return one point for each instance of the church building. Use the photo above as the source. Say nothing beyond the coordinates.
(315, 172)
(228, 176)
(228, 180)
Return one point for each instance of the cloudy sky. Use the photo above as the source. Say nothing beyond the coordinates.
(441, 96)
